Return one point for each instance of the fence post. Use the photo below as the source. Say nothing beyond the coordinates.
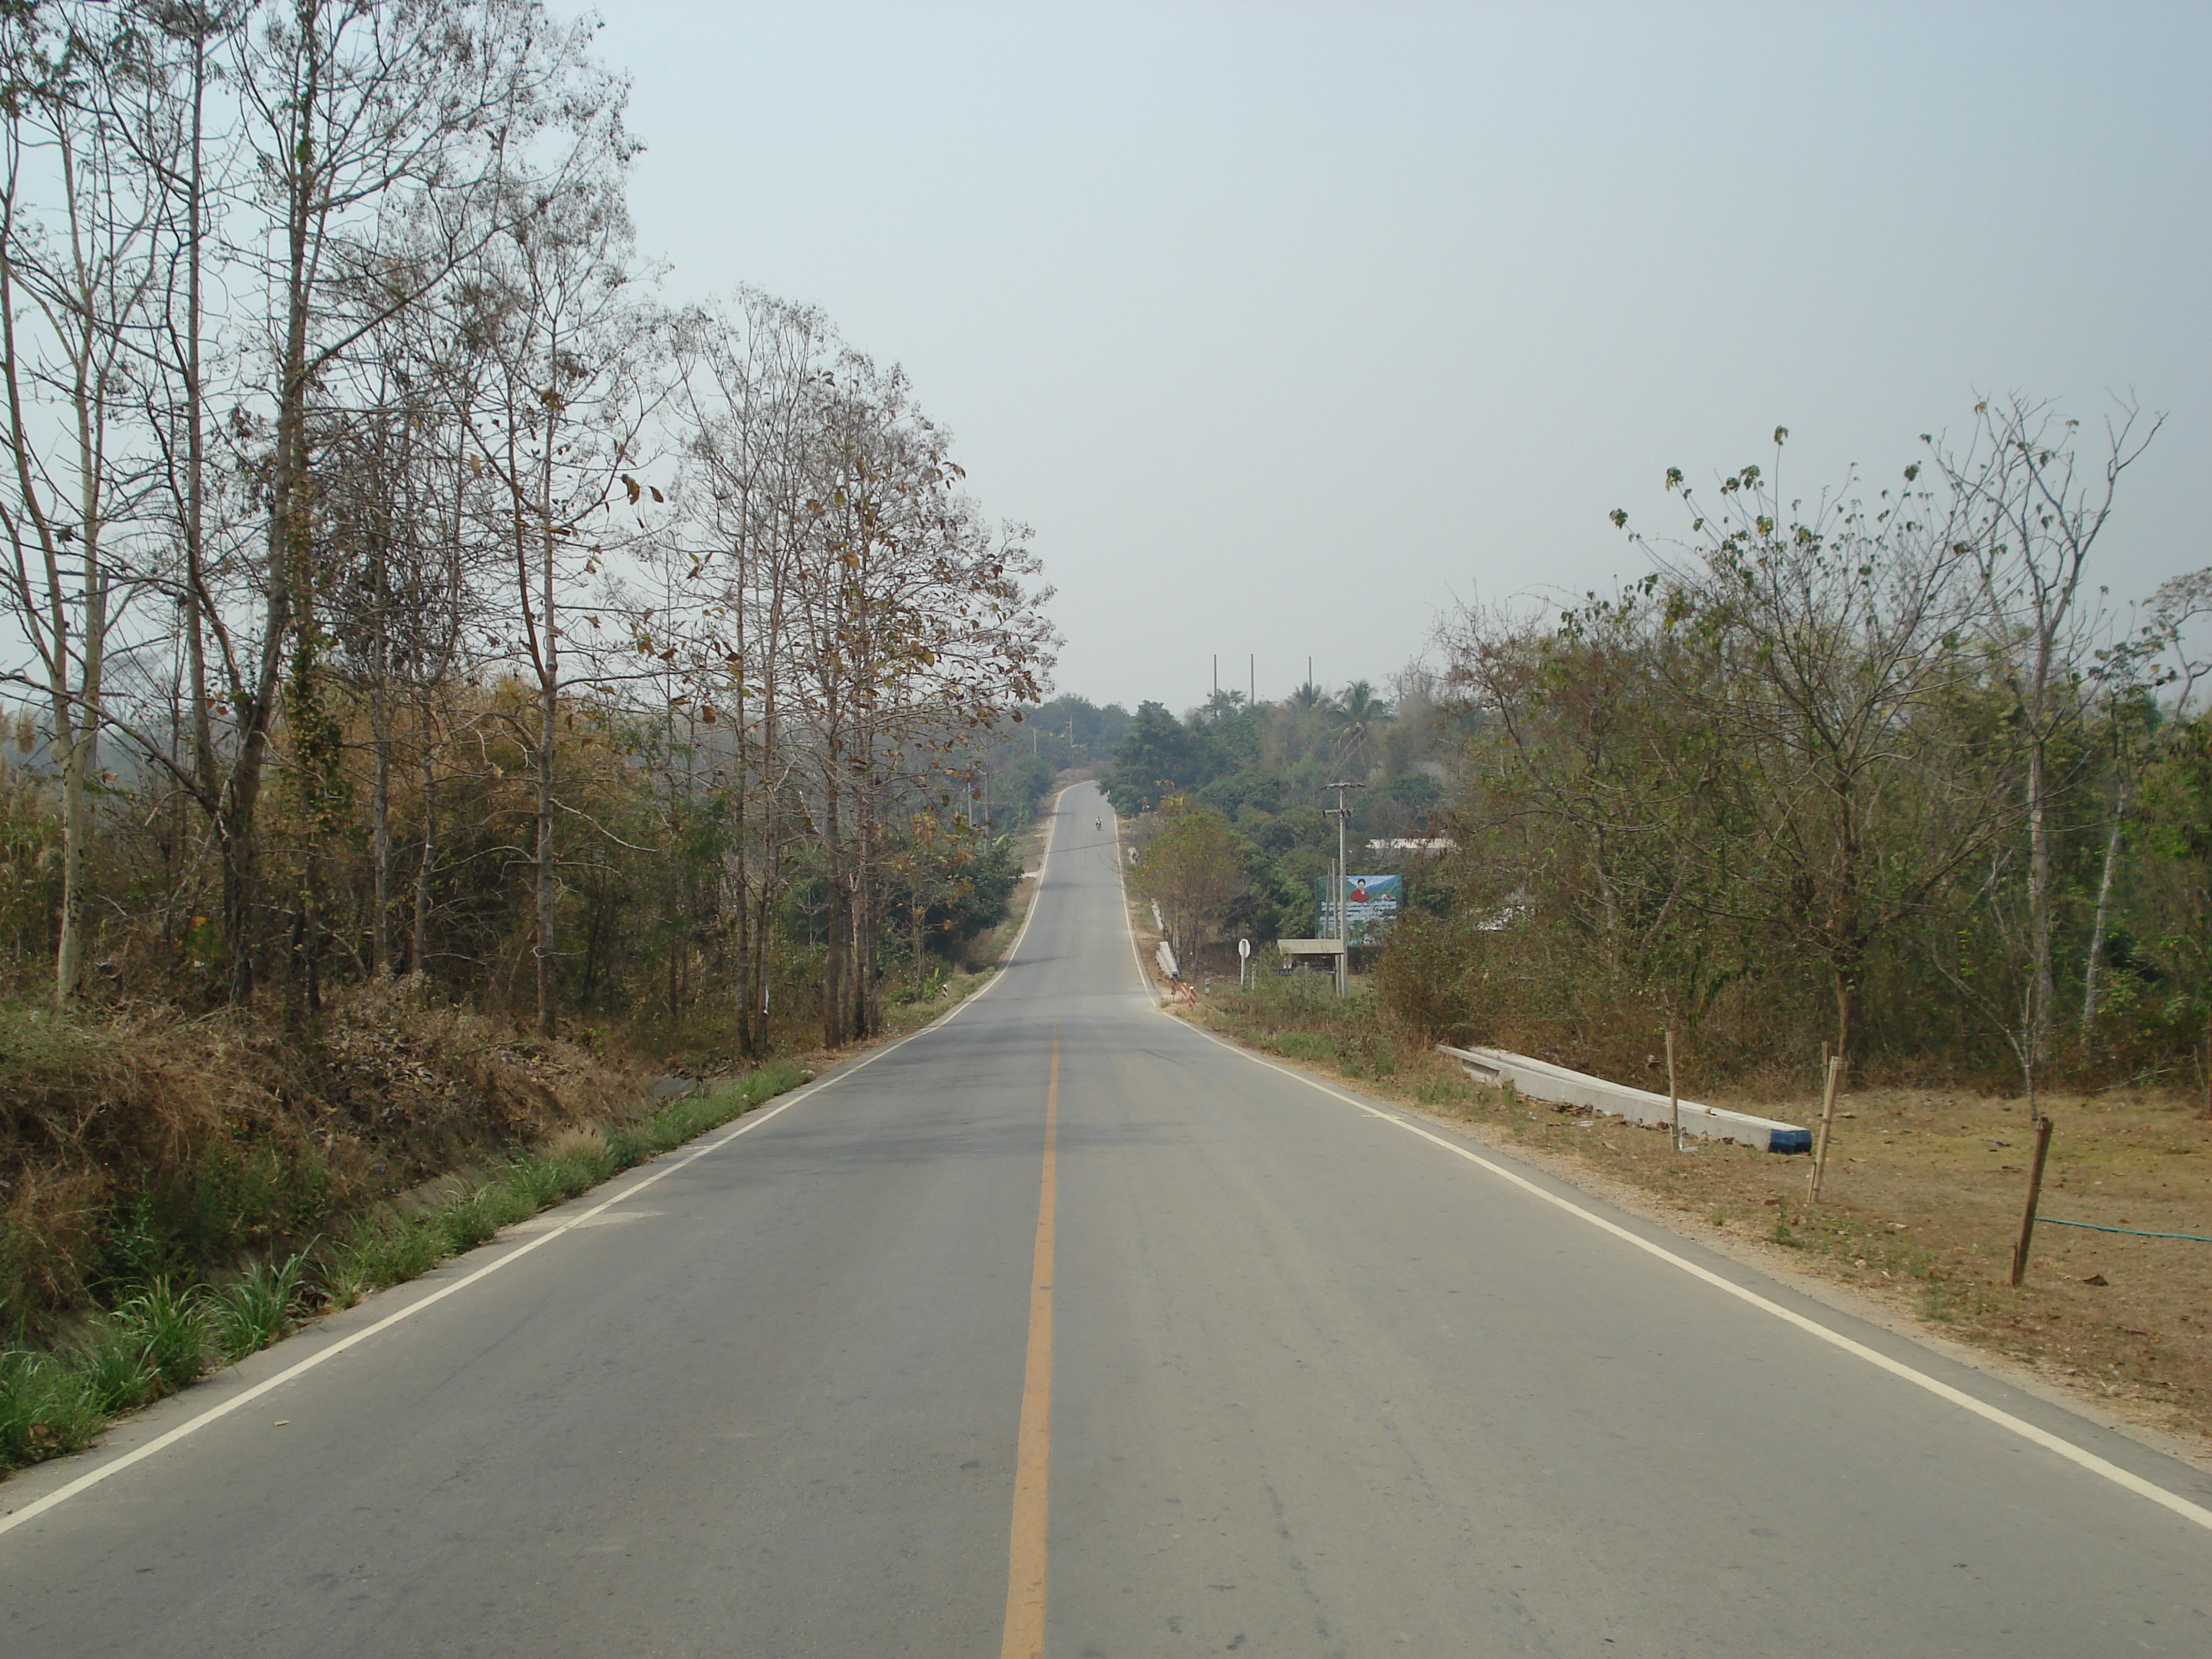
(1673, 1098)
(1827, 1121)
(2043, 1127)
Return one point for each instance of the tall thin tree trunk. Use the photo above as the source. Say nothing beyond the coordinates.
(83, 764)
(380, 809)
(2042, 990)
(73, 741)
(379, 736)
(419, 934)
(195, 597)
(2112, 841)
(856, 993)
(290, 547)
(835, 939)
(548, 714)
(747, 994)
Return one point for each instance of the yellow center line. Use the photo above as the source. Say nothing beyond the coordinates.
(1025, 1561)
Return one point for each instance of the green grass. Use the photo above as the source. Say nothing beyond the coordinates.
(1863, 1244)
(49, 1405)
(246, 1317)
(166, 1327)
(392, 1248)
(231, 1197)
(34, 1041)
(164, 1335)
(1445, 1091)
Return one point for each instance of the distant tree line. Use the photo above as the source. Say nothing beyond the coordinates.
(1231, 834)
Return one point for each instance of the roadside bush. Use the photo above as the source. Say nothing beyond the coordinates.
(248, 1316)
(1424, 976)
(139, 1145)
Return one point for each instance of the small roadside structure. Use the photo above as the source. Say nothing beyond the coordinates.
(1308, 953)
(1539, 1079)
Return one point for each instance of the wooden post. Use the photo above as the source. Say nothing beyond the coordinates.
(2043, 1127)
(1827, 1121)
(1674, 1099)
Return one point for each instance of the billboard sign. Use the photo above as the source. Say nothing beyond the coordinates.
(1371, 904)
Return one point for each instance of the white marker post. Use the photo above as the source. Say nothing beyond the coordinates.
(1243, 960)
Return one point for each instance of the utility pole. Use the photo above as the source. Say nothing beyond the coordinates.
(1252, 680)
(1342, 814)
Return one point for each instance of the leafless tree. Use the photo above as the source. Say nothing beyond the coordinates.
(77, 282)
(2033, 509)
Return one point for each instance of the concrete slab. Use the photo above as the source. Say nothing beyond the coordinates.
(1542, 1081)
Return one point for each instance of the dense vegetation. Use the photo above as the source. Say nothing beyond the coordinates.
(1238, 797)
(441, 603)
(443, 678)
(1883, 772)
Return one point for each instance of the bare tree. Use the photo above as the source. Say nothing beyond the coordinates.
(76, 278)
(573, 380)
(2033, 512)
(346, 107)
(746, 404)
(911, 625)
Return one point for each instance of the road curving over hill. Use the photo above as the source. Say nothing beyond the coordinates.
(1061, 1328)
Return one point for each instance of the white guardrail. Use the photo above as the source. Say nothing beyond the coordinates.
(1540, 1080)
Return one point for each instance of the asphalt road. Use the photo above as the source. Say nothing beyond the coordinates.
(1062, 1316)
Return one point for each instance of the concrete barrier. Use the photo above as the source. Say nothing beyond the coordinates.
(1540, 1080)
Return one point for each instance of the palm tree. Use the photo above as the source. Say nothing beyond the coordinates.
(1358, 714)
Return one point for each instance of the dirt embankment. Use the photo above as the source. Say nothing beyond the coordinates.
(140, 1144)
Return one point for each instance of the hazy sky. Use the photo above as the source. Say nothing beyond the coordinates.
(1287, 327)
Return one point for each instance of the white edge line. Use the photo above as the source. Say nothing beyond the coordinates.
(2004, 1419)
(115, 1465)
(1037, 899)
(92, 1478)
(1128, 923)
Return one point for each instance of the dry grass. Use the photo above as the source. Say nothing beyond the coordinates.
(140, 1144)
(2119, 1317)
(578, 1141)
(1921, 1205)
